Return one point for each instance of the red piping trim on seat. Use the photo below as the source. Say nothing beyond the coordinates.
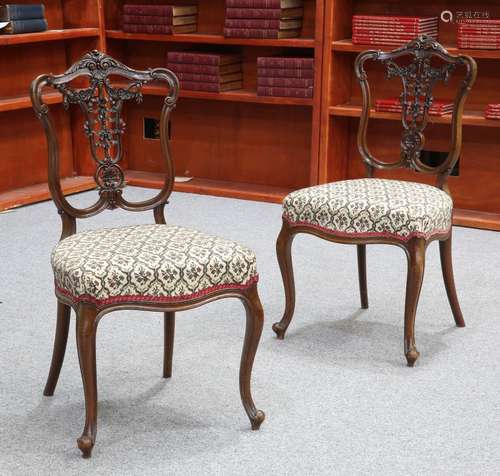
(153, 299)
(368, 234)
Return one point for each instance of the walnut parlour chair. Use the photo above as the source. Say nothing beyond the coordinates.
(157, 267)
(376, 210)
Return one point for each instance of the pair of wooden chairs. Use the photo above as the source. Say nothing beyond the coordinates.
(169, 268)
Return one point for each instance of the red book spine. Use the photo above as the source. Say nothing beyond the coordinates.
(193, 68)
(286, 82)
(285, 92)
(155, 29)
(253, 3)
(381, 36)
(394, 19)
(285, 73)
(250, 33)
(147, 20)
(480, 22)
(254, 13)
(200, 86)
(399, 30)
(283, 62)
(198, 78)
(193, 58)
(162, 10)
(246, 23)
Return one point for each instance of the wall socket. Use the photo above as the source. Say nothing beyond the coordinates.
(152, 129)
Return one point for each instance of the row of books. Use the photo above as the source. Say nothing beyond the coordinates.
(492, 111)
(439, 107)
(266, 19)
(219, 72)
(285, 77)
(22, 18)
(479, 34)
(391, 30)
(160, 19)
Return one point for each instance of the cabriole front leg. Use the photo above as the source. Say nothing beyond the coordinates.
(86, 325)
(254, 324)
(284, 254)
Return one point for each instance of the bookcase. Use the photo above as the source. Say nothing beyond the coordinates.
(476, 188)
(235, 143)
(75, 28)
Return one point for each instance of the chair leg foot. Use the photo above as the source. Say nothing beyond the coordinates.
(284, 255)
(85, 444)
(254, 324)
(412, 356)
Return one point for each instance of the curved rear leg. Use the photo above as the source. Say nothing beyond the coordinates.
(168, 351)
(86, 325)
(449, 281)
(284, 254)
(363, 288)
(60, 341)
(254, 323)
(416, 266)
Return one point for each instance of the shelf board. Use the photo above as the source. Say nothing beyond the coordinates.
(470, 118)
(220, 188)
(49, 35)
(211, 39)
(240, 95)
(476, 219)
(40, 192)
(348, 46)
(24, 102)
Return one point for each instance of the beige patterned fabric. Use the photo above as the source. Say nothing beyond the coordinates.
(371, 207)
(153, 263)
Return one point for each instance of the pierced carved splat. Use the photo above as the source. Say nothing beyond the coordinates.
(89, 84)
(419, 65)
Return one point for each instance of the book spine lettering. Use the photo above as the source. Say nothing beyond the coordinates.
(285, 92)
(153, 10)
(27, 26)
(250, 33)
(294, 63)
(147, 20)
(285, 73)
(193, 58)
(285, 82)
(247, 23)
(254, 13)
(154, 29)
(25, 12)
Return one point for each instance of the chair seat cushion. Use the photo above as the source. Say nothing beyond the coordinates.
(149, 263)
(371, 207)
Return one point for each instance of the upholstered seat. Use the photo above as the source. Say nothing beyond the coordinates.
(148, 263)
(372, 207)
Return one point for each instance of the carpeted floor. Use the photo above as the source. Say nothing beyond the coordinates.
(338, 396)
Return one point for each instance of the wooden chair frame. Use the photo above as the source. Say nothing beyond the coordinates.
(418, 79)
(101, 104)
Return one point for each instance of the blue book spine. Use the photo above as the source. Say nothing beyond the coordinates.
(25, 12)
(27, 26)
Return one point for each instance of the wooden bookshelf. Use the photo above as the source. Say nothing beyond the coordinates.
(475, 190)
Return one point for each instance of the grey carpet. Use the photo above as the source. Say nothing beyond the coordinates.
(338, 397)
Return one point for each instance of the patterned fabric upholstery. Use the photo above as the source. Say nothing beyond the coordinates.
(149, 263)
(371, 207)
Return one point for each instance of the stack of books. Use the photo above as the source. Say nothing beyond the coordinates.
(479, 34)
(285, 77)
(391, 31)
(439, 107)
(265, 19)
(160, 19)
(212, 72)
(22, 18)
(492, 111)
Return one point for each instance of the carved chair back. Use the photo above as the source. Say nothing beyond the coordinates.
(99, 85)
(419, 65)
